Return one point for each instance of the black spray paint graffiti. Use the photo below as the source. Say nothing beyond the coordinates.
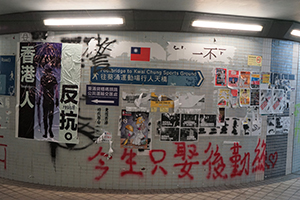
(84, 128)
(100, 47)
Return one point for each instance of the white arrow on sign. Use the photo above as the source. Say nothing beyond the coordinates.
(200, 78)
(101, 101)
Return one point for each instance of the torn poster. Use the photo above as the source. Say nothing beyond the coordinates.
(244, 81)
(220, 77)
(134, 129)
(233, 78)
(221, 117)
(265, 102)
(189, 100)
(223, 97)
(49, 91)
(244, 97)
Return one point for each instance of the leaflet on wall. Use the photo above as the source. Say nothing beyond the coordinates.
(134, 130)
(278, 101)
(256, 124)
(178, 127)
(244, 97)
(271, 125)
(233, 78)
(254, 97)
(161, 103)
(234, 98)
(278, 125)
(220, 77)
(208, 124)
(49, 91)
(246, 126)
(7, 75)
(234, 126)
(286, 122)
(275, 80)
(244, 81)
(265, 102)
(255, 80)
(265, 80)
(223, 130)
(223, 97)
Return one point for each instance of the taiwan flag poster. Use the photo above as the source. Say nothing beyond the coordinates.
(140, 54)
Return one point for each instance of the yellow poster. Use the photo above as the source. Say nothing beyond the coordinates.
(254, 60)
(162, 103)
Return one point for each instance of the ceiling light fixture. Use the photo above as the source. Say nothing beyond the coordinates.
(295, 32)
(84, 21)
(227, 25)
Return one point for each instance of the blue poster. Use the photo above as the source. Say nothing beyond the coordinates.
(148, 76)
(7, 75)
(102, 95)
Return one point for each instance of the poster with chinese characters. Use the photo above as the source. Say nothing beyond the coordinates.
(134, 130)
(48, 91)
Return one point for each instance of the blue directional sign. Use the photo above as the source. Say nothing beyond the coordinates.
(148, 76)
(102, 95)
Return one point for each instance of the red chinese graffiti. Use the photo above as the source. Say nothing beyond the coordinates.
(101, 166)
(186, 165)
(130, 162)
(258, 163)
(4, 159)
(151, 152)
(215, 161)
(237, 161)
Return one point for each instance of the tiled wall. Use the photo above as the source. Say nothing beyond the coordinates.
(31, 161)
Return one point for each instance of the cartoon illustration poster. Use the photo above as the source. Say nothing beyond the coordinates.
(233, 78)
(220, 77)
(244, 97)
(265, 102)
(134, 129)
(244, 79)
(255, 80)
